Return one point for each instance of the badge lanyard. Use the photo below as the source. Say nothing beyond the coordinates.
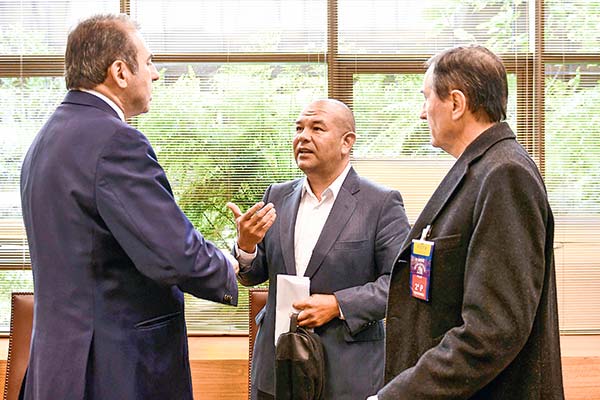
(420, 266)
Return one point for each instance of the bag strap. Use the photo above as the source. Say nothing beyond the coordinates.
(294, 322)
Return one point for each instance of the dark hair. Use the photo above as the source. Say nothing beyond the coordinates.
(478, 73)
(94, 45)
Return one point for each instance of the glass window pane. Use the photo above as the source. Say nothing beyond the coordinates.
(25, 104)
(41, 26)
(573, 138)
(387, 108)
(233, 26)
(425, 27)
(572, 26)
(572, 133)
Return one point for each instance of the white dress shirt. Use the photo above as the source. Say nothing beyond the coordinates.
(107, 101)
(312, 215)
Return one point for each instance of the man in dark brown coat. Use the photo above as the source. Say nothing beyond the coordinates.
(489, 328)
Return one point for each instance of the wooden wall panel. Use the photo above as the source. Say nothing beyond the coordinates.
(220, 379)
(581, 378)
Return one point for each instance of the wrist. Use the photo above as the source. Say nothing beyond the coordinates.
(250, 249)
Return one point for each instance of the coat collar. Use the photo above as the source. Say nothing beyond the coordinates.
(341, 211)
(88, 99)
(445, 190)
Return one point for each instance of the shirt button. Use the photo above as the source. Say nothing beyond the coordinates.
(227, 299)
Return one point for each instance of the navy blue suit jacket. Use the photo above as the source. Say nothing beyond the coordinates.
(111, 254)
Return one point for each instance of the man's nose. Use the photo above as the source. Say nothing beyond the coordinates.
(303, 135)
(155, 74)
(423, 114)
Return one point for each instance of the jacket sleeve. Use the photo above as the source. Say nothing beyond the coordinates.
(364, 305)
(135, 201)
(504, 274)
(258, 271)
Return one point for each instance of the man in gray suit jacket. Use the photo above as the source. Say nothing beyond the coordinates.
(111, 251)
(489, 328)
(341, 231)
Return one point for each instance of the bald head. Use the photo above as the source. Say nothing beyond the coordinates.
(340, 113)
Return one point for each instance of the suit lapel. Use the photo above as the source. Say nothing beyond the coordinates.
(287, 223)
(342, 210)
(457, 173)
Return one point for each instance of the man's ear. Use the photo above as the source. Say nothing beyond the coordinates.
(347, 142)
(119, 72)
(459, 104)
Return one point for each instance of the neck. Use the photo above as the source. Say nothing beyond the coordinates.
(319, 182)
(469, 133)
(106, 91)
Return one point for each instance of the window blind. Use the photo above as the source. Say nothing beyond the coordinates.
(233, 26)
(235, 74)
(571, 75)
(40, 27)
(425, 27)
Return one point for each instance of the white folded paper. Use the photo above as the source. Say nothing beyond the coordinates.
(290, 288)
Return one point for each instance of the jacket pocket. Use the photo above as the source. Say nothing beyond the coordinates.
(350, 245)
(157, 322)
(445, 243)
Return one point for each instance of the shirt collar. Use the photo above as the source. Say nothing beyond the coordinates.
(107, 101)
(334, 188)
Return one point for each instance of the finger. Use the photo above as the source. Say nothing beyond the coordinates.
(267, 219)
(303, 315)
(252, 210)
(265, 210)
(306, 319)
(234, 209)
(269, 223)
(299, 305)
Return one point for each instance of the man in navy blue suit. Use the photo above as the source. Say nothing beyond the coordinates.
(111, 251)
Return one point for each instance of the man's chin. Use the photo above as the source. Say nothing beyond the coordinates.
(302, 165)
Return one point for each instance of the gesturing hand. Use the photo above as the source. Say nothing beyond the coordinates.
(253, 224)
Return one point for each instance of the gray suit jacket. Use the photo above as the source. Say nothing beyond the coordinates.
(352, 259)
(490, 329)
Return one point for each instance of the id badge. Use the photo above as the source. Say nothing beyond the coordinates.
(420, 268)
